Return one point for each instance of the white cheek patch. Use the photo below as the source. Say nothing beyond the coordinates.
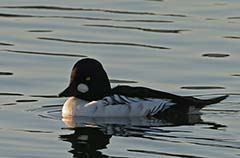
(83, 88)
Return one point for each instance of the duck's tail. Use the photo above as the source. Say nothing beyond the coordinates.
(190, 105)
(204, 102)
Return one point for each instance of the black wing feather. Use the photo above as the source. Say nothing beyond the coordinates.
(143, 92)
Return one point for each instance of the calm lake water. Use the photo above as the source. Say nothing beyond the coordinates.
(184, 47)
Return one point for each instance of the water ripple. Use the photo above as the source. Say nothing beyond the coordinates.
(40, 31)
(83, 18)
(215, 145)
(79, 9)
(11, 94)
(46, 108)
(6, 73)
(140, 28)
(236, 75)
(224, 111)
(60, 8)
(15, 15)
(8, 104)
(45, 96)
(122, 81)
(202, 87)
(234, 17)
(164, 153)
(33, 131)
(6, 44)
(175, 15)
(103, 43)
(232, 37)
(42, 53)
(26, 100)
(215, 55)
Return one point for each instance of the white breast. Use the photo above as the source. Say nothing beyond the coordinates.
(114, 106)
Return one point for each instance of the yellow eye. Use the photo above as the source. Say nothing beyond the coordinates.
(88, 78)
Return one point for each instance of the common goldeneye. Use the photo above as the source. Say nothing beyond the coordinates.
(91, 95)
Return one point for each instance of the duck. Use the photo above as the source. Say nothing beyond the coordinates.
(90, 95)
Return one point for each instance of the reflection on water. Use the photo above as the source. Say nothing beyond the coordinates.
(175, 120)
(86, 141)
(92, 134)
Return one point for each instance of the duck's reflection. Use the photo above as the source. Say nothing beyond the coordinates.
(86, 141)
(92, 134)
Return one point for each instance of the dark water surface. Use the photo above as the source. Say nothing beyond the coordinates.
(184, 47)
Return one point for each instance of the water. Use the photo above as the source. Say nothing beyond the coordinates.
(183, 47)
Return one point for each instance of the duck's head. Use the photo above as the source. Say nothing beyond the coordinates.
(88, 81)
